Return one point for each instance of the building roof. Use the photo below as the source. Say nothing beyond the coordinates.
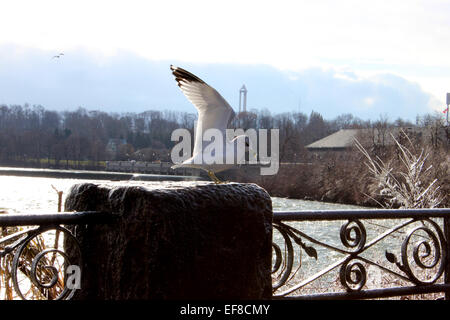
(338, 140)
(344, 138)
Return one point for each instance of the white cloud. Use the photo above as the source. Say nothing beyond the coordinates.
(366, 36)
(346, 75)
(128, 82)
(287, 34)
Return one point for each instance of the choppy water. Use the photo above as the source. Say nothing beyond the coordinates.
(32, 194)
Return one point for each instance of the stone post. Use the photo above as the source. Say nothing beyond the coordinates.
(186, 240)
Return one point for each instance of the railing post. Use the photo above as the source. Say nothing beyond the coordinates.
(447, 268)
(200, 241)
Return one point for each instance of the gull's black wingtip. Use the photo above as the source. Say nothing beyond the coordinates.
(183, 75)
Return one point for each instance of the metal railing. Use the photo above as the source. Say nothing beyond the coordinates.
(342, 262)
(33, 259)
(316, 254)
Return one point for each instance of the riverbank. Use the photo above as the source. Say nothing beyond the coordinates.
(346, 179)
(333, 177)
(89, 174)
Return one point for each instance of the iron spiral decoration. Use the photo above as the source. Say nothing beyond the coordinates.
(48, 269)
(283, 265)
(283, 261)
(353, 235)
(428, 252)
(353, 275)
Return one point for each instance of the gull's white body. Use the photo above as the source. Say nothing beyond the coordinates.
(213, 112)
(204, 161)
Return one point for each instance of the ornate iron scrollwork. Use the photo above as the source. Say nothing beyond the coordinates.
(42, 271)
(423, 254)
(353, 235)
(353, 275)
(284, 262)
(429, 252)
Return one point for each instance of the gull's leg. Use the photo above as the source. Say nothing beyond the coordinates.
(218, 180)
(213, 177)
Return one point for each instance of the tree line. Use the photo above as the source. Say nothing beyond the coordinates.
(35, 134)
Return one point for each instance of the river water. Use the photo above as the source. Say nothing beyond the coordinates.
(37, 195)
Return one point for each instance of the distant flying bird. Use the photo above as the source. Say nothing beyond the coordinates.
(58, 55)
(213, 112)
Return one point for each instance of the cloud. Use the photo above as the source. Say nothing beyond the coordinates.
(126, 82)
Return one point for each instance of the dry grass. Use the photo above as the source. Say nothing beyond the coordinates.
(43, 273)
(404, 185)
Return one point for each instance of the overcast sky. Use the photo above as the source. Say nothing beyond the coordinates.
(362, 57)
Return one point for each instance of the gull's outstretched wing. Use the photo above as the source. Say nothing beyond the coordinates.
(213, 110)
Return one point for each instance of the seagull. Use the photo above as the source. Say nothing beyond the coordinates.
(213, 112)
(58, 55)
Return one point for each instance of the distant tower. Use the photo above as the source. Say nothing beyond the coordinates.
(243, 99)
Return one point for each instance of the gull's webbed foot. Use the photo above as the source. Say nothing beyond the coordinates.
(214, 178)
